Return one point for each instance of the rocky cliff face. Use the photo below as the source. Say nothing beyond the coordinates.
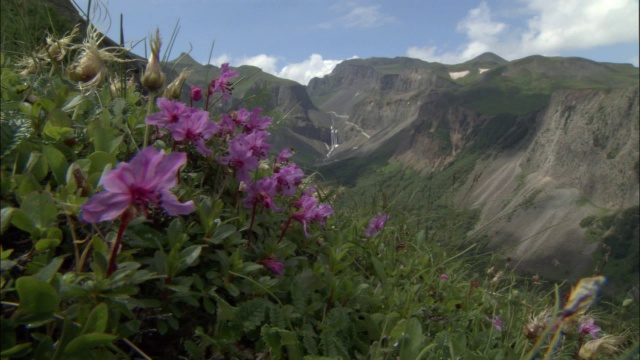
(581, 159)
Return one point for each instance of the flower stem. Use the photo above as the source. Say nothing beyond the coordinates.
(285, 229)
(124, 221)
(146, 129)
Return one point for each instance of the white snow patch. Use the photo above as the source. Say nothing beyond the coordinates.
(481, 70)
(459, 74)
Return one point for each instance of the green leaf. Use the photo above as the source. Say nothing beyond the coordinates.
(46, 244)
(379, 268)
(36, 296)
(189, 256)
(57, 132)
(5, 218)
(23, 222)
(12, 133)
(88, 341)
(412, 341)
(222, 232)
(57, 162)
(37, 166)
(99, 159)
(41, 208)
(49, 271)
(97, 320)
(19, 350)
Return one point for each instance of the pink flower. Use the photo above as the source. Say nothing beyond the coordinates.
(284, 156)
(309, 211)
(274, 266)
(496, 322)
(240, 159)
(376, 225)
(256, 122)
(256, 142)
(147, 178)
(589, 327)
(444, 277)
(262, 193)
(221, 84)
(196, 93)
(288, 179)
(195, 128)
(171, 112)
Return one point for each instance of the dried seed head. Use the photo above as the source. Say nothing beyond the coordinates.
(58, 48)
(90, 68)
(607, 344)
(153, 78)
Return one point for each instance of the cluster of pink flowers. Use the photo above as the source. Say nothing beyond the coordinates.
(151, 174)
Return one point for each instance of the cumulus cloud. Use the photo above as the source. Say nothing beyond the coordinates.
(265, 62)
(551, 27)
(301, 72)
(314, 66)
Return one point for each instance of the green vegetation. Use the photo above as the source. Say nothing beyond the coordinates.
(217, 277)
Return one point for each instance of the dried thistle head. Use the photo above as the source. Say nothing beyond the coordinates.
(29, 65)
(153, 77)
(537, 324)
(56, 49)
(90, 67)
(174, 89)
(116, 85)
(608, 344)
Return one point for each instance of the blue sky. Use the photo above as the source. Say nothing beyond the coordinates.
(301, 39)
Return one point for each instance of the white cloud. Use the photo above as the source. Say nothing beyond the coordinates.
(357, 16)
(314, 66)
(551, 28)
(219, 60)
(265, 62)
(302, 72)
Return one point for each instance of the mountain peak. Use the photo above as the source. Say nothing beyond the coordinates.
(486, 58)
(186, 60)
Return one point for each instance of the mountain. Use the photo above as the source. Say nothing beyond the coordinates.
(539, 146)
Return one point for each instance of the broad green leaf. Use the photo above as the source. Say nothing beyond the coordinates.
(57, 162)
(23, 222)
(40, 207)
(57, 132)
(36, 296)
(222, 232)
(97, 320)
(37, 166)
(379, 268)
(99, 159)
(88, 341)
(412, 341)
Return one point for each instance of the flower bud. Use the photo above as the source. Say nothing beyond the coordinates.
(174, 89)
(196, 93)
(153, 77)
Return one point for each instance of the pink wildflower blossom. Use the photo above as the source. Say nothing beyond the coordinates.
(288, 179)
(274, 266)
(284, 156)
(147, 178)
(497, 323)
(309, 211)
(195, 128)
(240, 159)
(256, 122)
(444, 277)
(221, 84)
(262, 193)
(590, 327)
(376, 225)
(171, 112)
